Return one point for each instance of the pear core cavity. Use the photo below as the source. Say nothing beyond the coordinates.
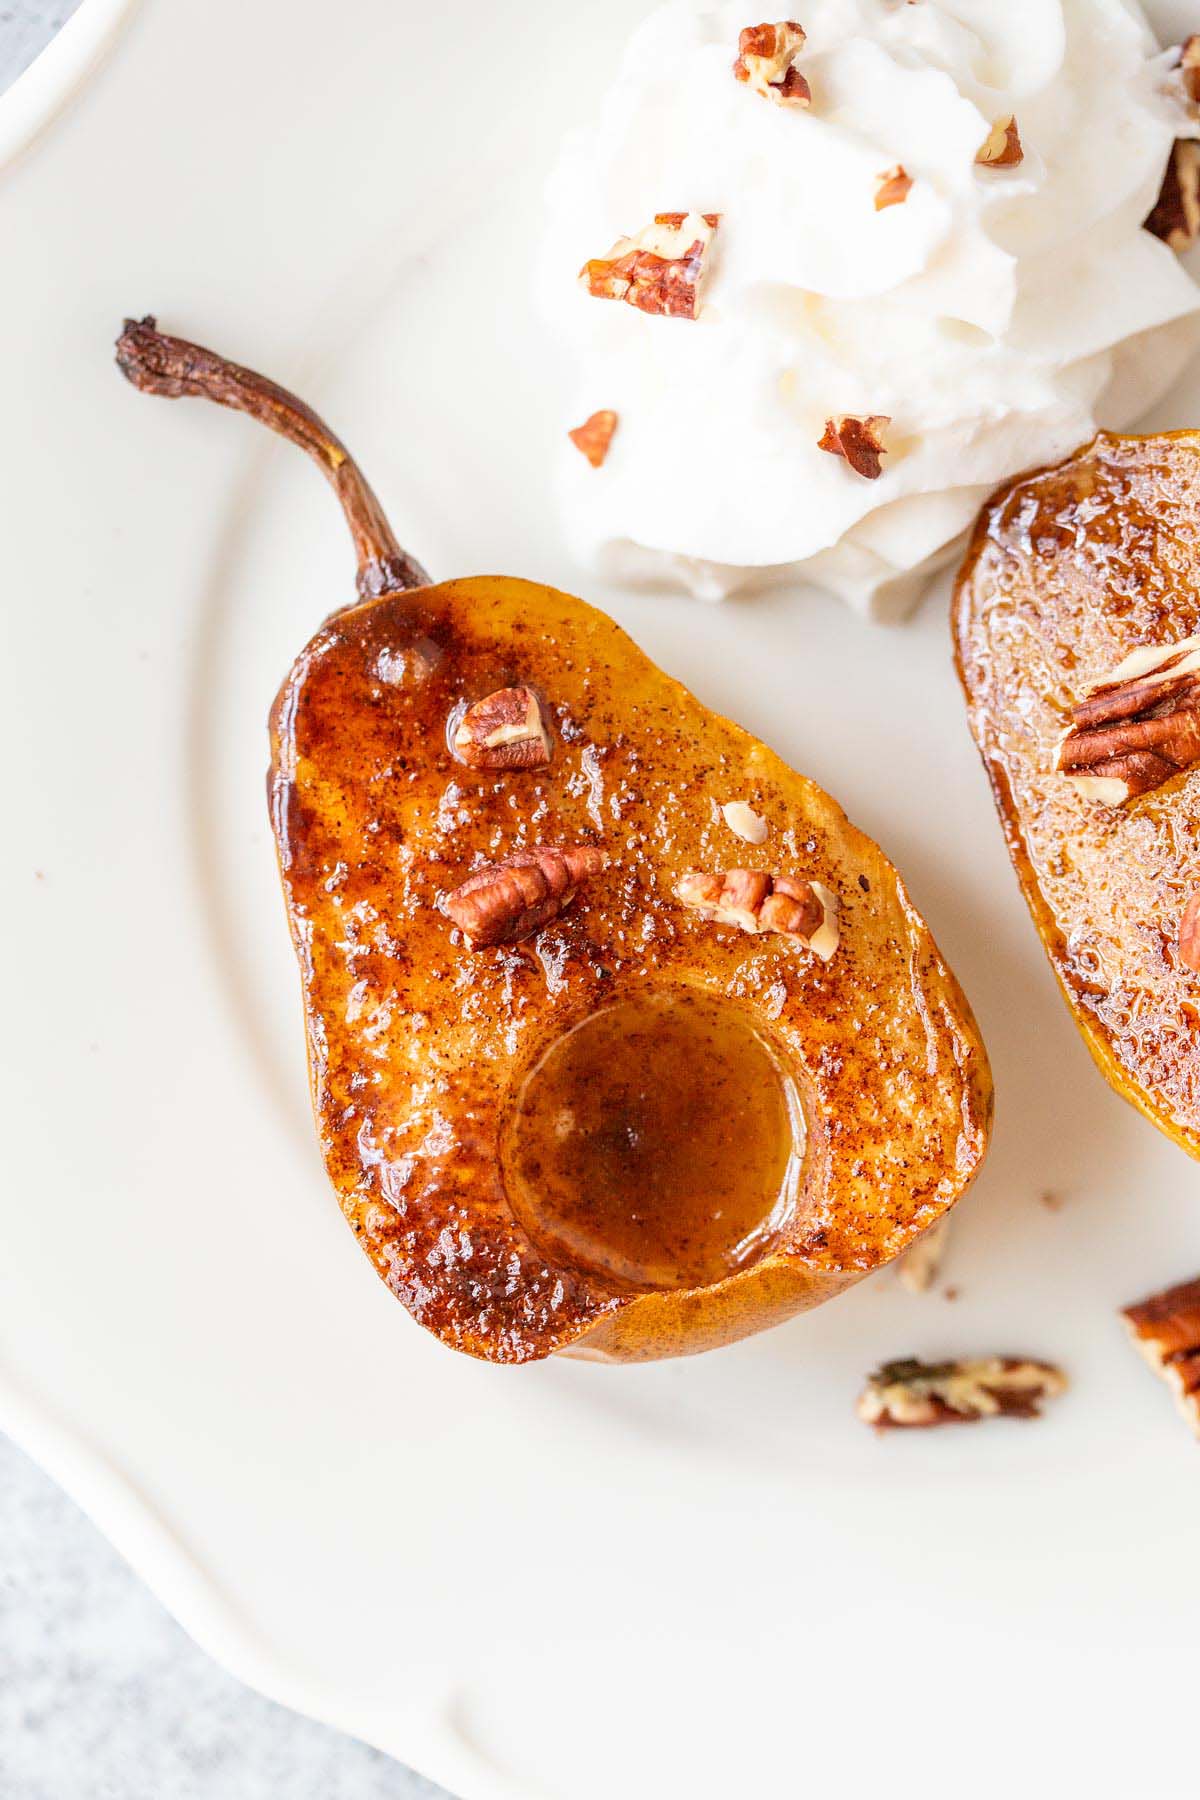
(656, 1143)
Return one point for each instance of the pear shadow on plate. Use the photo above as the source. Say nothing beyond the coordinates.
(238, 977)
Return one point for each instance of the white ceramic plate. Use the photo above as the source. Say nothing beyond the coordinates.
(700, 1578)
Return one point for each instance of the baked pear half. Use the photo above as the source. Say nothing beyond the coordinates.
(622, 1039)
(1077, 633)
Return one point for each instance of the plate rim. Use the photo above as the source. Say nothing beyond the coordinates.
(58, 73)
(178, 1579)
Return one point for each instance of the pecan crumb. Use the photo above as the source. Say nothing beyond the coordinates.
(744, 822)
(594, 437)
(803, 911)
(1166, 1329)
(921, 1263)
(1136, 728)
(1175, 215)
(895, 185)
(659, 271)
(767, 61)
(1189, 70)
(1001, 148)
(911, 1394)
(858, 438)
(507, 730)
(510, 900)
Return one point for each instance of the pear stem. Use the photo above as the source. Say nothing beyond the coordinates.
(158, 364)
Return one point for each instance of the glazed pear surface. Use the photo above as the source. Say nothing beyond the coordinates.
(419, 1044)
(1074, 571)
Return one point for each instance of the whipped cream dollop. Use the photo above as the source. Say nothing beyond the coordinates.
(994, 316)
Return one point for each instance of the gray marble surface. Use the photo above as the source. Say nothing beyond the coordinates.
(25, 26)
(102, 1696)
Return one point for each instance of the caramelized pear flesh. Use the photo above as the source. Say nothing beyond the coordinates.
(518, 1133)
(1072, 570)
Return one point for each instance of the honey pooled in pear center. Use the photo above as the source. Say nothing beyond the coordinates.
(656, 1143)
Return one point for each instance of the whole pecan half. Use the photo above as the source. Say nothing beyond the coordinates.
(1166, 1329)
(804, 911)
(767, 61)
(510, 900)
(659, 271)
(1137, 727)
(859, 438)
(895, 185)
(594, 437)
(912, 1395)
(1001, 148)
(507, 730)
(1175, 215)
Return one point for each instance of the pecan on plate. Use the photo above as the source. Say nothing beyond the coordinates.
(803, 911)
(859, 438)
(594, 437)
(510, 900)
(921, 1263)
(912, 1394)
(1166, 1329)
(895, 185)
(661, 270)
(1137, 727)
(1175, 215)
(767, 61)
(506, 730)
(1001, 148)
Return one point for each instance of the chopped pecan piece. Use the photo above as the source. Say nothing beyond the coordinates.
(510, 900)
(507, 730)
(594, 437)
(1186, 72)
(744, 822)
(1189, 934)
(914, 1394)
(659, 271)
(803, 911)
(1166, 1329)
(921, 1263)
(1136, 728)
(1175, 216)
(895, 185)
(767, 61)
(859, 438)
(1001, 148)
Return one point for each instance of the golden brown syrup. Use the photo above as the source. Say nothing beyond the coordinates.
(656, 1143)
